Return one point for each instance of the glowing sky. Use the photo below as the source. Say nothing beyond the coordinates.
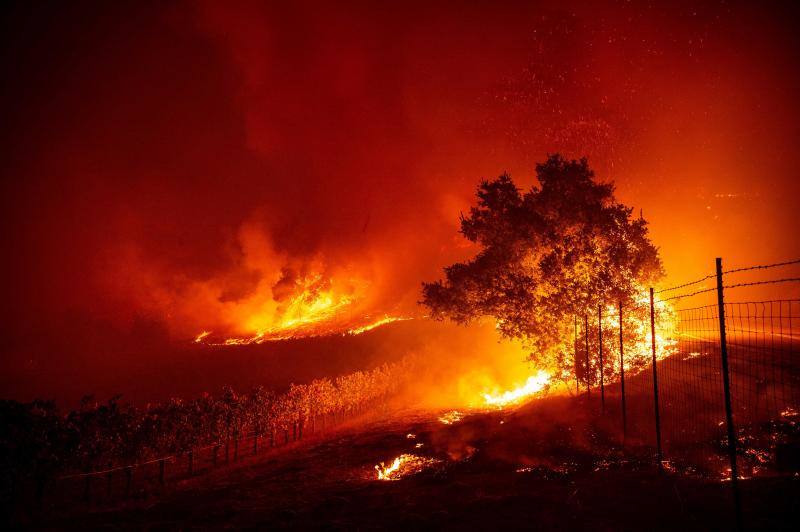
(166, 164)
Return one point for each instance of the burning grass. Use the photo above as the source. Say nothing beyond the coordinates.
(403, 466)
(449, 418)
(534, 384)
(311, 326)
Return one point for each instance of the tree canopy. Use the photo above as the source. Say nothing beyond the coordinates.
(546, 255)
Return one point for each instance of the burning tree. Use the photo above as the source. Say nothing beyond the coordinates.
(547, 255)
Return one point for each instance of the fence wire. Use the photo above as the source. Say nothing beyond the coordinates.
(692, 400)
(763, 354)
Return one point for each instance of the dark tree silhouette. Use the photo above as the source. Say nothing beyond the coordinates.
(555, 251)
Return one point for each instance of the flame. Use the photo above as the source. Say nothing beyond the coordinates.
(200, 337)
(376, 324)
(299, 329)
(318, 307)
(533, 385)
(288, 304)
(403, 465)
(311, 306)
(667, 330)
(449, 418)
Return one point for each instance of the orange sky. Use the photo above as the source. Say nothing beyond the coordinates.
(168, 163)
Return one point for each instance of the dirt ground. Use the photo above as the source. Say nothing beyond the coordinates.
(544, 466)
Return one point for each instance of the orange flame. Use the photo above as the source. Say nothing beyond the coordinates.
(533, 385)
(200, 337)
(403, 465)
(375, 324)
(299, 329)
(450, 418)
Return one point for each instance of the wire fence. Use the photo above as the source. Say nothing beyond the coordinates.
(720, 396)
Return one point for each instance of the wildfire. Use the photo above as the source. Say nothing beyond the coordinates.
(375, 324)
(637, 325)
(403, 465)
(298, 328)
(533, 385)
(449, 418)
(302, 306)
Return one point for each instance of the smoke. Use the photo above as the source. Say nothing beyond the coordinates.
(200, 166)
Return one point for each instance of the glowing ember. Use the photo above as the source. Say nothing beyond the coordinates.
(534, 384)
(726, 475)
(403, 465)
(451, 417)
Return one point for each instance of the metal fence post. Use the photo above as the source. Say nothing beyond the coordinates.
(622, 377)
(726, 386)
(659, 456)
(586, 337)
(600, 343)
